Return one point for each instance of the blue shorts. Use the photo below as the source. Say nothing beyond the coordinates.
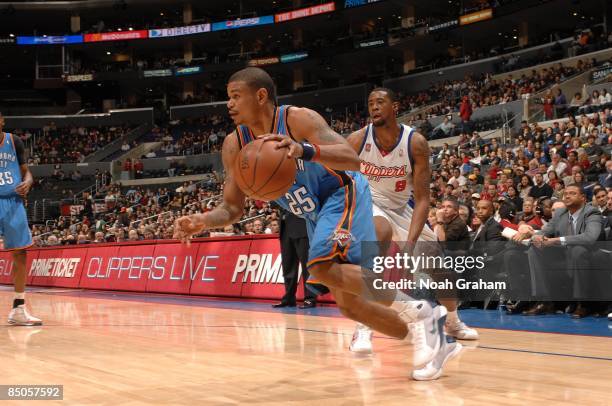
(14, 223)
(344, 222)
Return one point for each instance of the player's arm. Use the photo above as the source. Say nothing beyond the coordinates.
(27, 180)
(229, 210)
(421, 180)
(326, 146)
(355, 140)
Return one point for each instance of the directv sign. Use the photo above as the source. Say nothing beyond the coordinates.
(178, 31)
(192, 70)
(298, 56)
(50, 39)
(245, 22)
(357, 3)
(157, 73)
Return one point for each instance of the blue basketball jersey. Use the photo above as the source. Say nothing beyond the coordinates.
(10, 174)
(314, 182)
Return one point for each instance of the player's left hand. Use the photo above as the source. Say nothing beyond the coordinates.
(23, 188)
(295, 148)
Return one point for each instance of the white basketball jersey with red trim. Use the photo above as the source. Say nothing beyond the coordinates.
(389, 174)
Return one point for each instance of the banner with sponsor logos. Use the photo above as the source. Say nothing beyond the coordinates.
(179, 31)
(244, 22)
(76, 209)
(357, 3)
(305, 12)
(117, 36)
(50, 39)
(7, 40)
(371, 43)
(246, 266)
(157, 73)
(188, 70)
(297, 56)
(264, 61)
(601, 73)
(88, 77)
(475, 17)
(447, 25)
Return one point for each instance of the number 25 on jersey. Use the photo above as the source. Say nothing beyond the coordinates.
(299, 203)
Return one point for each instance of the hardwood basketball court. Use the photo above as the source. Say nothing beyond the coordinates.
(110, 348)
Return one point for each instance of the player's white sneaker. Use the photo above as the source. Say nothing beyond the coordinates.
(362, 340)
(19, 316)
(427, 333)
(460, 331)
(433, 370)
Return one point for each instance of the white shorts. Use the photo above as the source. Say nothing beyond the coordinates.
(400, 220)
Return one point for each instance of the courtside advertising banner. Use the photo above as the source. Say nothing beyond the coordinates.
(248, 267)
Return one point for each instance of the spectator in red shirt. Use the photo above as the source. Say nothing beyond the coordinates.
(465, 110)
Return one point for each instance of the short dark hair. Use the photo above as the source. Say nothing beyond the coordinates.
(256, 78)
(452, 201)
(580, 188)
(390, 93)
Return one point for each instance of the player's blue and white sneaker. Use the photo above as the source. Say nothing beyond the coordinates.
(433, 370)
(362, 340)
(426, 325)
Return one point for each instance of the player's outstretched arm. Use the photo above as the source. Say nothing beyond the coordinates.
(231, 208)
(356, 139)
(332, 150)
(421, 178)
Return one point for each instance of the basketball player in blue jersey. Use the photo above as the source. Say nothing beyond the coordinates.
(15, 183)
(335, 201)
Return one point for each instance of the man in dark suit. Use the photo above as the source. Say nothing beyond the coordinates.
(568, 239)
(487, 243)
(294, 251)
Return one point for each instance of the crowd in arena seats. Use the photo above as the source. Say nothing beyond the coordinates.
(191, 137)
(483, 90)
(52, 144)
(525, 182)
(143, 213)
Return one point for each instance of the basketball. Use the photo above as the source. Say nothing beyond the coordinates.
(263, 172)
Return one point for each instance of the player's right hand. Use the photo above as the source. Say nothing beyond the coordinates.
(185, 227)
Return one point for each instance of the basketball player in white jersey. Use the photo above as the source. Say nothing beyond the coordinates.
(395, 160)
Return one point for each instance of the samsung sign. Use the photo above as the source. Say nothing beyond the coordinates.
(178, 31)
(298, 56)
(244, 22)
(50, 39)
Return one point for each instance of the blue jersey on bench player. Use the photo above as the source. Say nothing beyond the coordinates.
(13, 220)
(336, 205)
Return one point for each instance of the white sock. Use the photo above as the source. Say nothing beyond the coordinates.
(20, 295)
